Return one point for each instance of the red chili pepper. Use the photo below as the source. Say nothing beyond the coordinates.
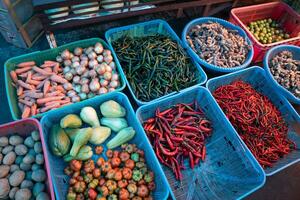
(203, 153)
(176, 134)
(259, 123)
(191, 160)
(171, 145)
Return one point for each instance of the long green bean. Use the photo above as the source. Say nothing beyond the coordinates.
(155, 65)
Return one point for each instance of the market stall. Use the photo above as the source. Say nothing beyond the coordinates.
(145, 113)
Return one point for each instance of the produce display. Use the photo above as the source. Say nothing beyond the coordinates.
(258, 122)
(218, 45)
(179, 133)
(286, 71)
(74, 77)
(124, 175)
(268, 31)
(22, 174)
(155, 65)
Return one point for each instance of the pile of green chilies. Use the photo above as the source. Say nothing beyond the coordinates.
(155, 65)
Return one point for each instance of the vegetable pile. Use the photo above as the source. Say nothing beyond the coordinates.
(74, 77)
(286, 71)
(258, 122)
(123, 176)
(39, 89)
(91, 71)
(69, 139)
(268, 31)
(178, 133)
(22, 174)
(155, 65)
(218, 45)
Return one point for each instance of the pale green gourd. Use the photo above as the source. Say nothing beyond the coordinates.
(70, 121)
(99, 135)
(81, 139)
(116, 124)
(89, 115)
(58, 141)
(84, 153)
(112, 109)
(122, 137)
(72, 132)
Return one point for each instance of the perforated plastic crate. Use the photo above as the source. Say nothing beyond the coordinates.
(229, 170)
(24, 128)
(39, 57)
(145, 29)
(269, 56)
(57, 164)
(210, 67)
(256, 76)
(275, 10)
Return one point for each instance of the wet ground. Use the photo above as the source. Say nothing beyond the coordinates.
(282, 186)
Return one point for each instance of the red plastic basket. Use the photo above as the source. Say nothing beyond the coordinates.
(279, 11)
(24, 128)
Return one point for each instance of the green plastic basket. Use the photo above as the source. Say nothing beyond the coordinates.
(39, 57)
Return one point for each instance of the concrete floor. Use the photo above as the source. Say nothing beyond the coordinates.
(281, 186)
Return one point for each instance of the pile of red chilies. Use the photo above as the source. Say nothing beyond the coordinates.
(178, 133)
(258, 122)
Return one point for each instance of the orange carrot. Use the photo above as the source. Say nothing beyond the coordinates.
(39, 86)
(53, 94)
(32, 94)
(26, 112)
(48, 99)
(26, 102)
(54, 105)
(41, 71)
(38, 77)
(22, 70)
(48, 64)
(26, 64)
(48, 69)
(20, 90)
(23, 75)
(33, 109)
(33, 82)
(56, 68)
(25, 85)
(46, 87)
(13, 76)
(60, 88)
(58, 79)
(59, 101)
(29, 75)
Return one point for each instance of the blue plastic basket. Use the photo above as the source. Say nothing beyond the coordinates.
(145, 29)
(270, 54)
(57, 165)
(229, 171)
(256, 76)
(210, 67)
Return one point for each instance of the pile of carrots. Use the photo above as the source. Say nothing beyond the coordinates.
(39, 88)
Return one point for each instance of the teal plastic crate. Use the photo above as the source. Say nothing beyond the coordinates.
(57, 164)
(145, 29)
(269, 56)
(256, 76)
(39, 57)
(229, 172)
(210, 67)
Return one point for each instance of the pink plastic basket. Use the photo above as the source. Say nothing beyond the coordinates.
(279, 11)
(24, 128)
